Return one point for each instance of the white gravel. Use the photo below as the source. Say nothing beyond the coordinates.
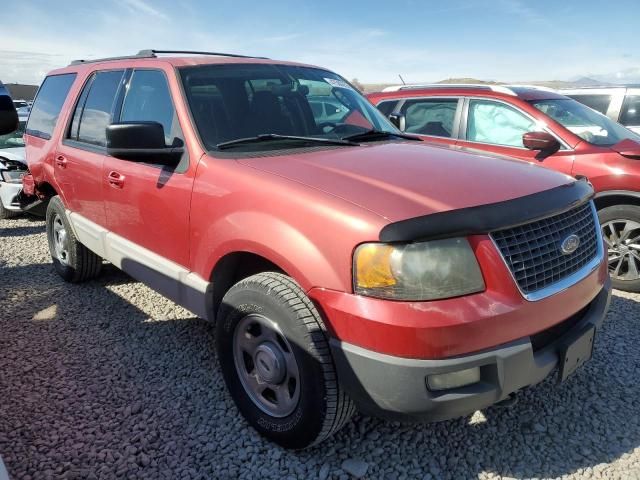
(108, 379)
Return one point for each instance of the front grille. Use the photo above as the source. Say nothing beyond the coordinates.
(532, 251)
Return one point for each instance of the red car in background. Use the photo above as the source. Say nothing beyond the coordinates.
(540, 126)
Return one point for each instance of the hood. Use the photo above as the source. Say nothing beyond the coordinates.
(14, 153)
(404, 180)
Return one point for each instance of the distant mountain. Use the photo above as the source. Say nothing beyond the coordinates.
(587, 82)
(629, 75)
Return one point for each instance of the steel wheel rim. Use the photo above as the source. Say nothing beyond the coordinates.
(266, 365)
(60, 240)
(622, 237)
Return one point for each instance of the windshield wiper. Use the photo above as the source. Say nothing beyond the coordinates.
(378, 135)
(269, 137)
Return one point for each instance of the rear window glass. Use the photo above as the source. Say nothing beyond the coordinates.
(600, 103)
(48, 103)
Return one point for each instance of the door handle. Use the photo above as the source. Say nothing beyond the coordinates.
(115, 179)
(61, 161)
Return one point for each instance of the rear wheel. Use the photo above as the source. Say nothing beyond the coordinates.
(276, 362)
(621, 232)
(72, 260)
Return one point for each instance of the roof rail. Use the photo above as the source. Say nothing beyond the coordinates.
(482, 86)
(534, 87)
(152, 53)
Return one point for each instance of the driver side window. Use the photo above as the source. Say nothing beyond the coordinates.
(497, 124)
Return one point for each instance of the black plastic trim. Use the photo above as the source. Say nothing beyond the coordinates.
(487, 218)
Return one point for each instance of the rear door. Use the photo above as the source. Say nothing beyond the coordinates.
(146, 203)
(78, 160)
(495, 126)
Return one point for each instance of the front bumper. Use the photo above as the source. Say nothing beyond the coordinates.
(9, 195)
(395, 387)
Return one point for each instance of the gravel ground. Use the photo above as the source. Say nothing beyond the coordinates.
(109, 379)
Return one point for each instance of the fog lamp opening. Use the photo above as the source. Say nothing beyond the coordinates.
(447, 381)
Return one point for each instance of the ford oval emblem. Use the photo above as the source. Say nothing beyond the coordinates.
(570, 244)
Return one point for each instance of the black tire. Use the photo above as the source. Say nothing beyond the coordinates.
(79, 263)
(4, 213)
(617, 216)
(322, 406)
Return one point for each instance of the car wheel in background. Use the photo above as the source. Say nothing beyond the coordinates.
(72, 260)
(621, 232)
(276, 362)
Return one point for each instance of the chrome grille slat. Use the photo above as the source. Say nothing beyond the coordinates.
(532, 251)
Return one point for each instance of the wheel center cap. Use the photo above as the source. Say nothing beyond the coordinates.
(269, 363)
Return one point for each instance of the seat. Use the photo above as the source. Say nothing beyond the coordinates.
(266, 116)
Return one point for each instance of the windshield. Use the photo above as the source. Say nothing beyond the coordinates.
(234, 101)
(588, 124)
(14, 139)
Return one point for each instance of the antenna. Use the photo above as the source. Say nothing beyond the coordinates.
(402, 79)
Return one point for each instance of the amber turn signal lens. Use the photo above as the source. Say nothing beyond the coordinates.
(373, 266)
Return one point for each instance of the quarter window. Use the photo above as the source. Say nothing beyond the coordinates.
(96, 113)
(46, 108)
(496, 123)
(630, 114)
(148, 100)
(430, 116)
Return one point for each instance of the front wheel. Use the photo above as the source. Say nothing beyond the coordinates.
(276, 362)
(621, 232)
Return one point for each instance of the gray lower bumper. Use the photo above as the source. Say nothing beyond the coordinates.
(395, 388)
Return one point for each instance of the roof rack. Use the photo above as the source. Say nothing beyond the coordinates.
(152, 53)
(482, 86)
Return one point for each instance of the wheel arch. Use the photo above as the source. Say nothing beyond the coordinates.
(616, 197)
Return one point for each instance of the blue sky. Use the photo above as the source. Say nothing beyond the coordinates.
(374, 41)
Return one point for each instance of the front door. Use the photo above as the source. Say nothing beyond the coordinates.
(146, 203)
(497, 127)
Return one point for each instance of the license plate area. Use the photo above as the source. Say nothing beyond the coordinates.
(576, 353)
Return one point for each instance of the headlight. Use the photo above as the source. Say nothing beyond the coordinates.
(13, 176)
(417, 271)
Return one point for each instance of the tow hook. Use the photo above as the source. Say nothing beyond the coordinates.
(508, 402)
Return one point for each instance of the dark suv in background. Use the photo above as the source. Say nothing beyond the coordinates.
(543, 127)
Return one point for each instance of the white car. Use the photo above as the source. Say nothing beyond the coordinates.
(620, 103)
(13, 166)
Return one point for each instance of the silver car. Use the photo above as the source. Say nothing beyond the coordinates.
(13, 166)
(619, 103)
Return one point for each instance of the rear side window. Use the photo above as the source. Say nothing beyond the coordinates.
(48, 103)
(387, 107)
(430, 116)
(630, 114)
(148, 99)
(600, 103)
(95, 109)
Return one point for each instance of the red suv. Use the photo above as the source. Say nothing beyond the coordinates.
(543, 127)
(344, 262)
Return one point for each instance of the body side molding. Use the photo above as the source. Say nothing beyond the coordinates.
(166, 277)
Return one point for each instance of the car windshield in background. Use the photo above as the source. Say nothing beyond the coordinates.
(588, 124)
(245, 101)
(14, 139)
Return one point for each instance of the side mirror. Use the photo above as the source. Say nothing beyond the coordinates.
(399, 121)
(8, 114)
(542, 141)
(141, 142)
